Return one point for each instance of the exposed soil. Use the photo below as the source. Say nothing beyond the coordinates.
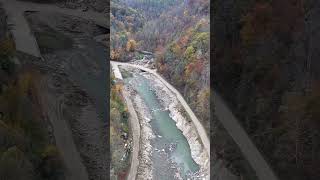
(74, 79)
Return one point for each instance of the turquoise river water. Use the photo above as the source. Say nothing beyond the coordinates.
(171, 151)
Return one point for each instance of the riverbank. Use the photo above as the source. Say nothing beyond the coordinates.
(200, 129)
(145, 170)
(171, 103)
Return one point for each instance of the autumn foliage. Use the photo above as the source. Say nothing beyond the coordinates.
(115, 55)
(258, 23)
(131, 45)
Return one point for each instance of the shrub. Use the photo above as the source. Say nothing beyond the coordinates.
(14, 165)
(52, 167)
(131, 45)
(7, 47)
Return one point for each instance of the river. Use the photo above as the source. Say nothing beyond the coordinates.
(171, 151)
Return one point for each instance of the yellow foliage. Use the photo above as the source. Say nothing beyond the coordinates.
(189, 53)
(203, 98)
(115, 55)
(7, 47)
(131, 45)
(50, 151)
(26, 82)
(118, 87)
(176, 49)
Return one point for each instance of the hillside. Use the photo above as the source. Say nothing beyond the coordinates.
(125, 22)
(27, 149)
(266, 68)
(178, 33)
(120, 137)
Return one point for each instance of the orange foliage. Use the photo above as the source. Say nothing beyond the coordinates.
(183, 41)
(189, 68)
(258, 23)
(176, 49)
(163, 68)
(115, 55)
(198, 66)
(131, 45)
(118, 88)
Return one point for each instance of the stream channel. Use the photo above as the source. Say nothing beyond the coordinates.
(171, 151)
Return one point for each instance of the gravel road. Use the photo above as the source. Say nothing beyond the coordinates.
(22, 34)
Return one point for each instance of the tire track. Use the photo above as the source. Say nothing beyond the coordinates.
(62, 133)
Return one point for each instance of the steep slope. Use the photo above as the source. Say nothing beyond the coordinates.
(179, 37)
(182, 53)
(125, 22)
(120, 134)
(27, 147)
(266, 68)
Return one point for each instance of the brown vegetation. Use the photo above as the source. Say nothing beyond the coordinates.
(265, 78)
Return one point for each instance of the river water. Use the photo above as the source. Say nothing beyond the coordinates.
(171, 151)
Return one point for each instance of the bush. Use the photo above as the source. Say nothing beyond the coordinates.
(7, 47)
(189, 53)
(131, 45)
(52, 167)
(14, 165)
(7, 65)
(7, 50)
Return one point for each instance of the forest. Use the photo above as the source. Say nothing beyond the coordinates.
(266, 67)
(177, 32)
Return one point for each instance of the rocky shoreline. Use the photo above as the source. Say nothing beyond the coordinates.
(169, 101)
(145, 164)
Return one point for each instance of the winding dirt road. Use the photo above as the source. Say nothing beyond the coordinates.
(135, 125)
(249, 150)
(134, 121)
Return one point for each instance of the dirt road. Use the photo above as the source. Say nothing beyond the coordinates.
(63, 136)
(22, 35)
(249, 150)
(135, 125)
(134, 121)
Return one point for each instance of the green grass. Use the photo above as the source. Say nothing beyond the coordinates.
(118, 125)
